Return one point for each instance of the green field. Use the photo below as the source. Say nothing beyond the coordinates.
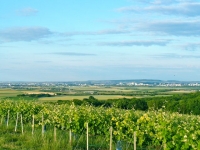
(9, 93)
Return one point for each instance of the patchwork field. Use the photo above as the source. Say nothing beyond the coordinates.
(99, 92)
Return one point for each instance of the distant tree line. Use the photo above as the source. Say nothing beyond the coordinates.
(124, 103)
(182, 103)
(35, 95)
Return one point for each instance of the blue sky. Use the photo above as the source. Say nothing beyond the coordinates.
(94, 40)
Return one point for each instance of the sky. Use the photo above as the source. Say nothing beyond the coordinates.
(67, 40)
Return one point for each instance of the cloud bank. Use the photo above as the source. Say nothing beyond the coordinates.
(72, 54)
(176, 56)
(177, 28)
(190, 9)
(23, 34)
(136, 43)
(100, 32)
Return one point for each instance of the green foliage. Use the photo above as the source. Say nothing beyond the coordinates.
(125, 103)
(137, 104)
(183, 103)
(154, 128)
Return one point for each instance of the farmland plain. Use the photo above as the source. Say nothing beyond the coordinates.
(99, 92)
(112, 99)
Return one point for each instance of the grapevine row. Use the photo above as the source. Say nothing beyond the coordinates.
(154, 128)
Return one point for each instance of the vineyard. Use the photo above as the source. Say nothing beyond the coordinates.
(66, 126)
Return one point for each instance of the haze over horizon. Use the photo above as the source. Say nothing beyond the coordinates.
(94, 40)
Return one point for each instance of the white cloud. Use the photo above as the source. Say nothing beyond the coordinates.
(27, 11)
(190, 46)
(186, 9)
(177, 28)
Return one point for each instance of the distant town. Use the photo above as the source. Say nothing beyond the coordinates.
(143, 82)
